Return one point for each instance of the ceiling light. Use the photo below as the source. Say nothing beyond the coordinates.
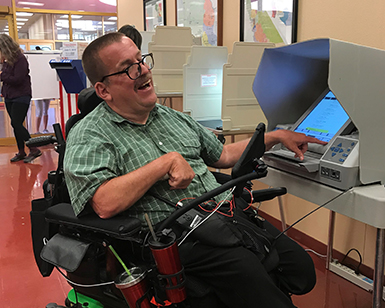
(109, 2)
(24, 14)
(110, 23)
(22, 19)
(113, 18)
(31, 3)
(72, 16)
(20, 23)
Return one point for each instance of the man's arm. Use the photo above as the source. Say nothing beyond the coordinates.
(120, 193)
(295, 142)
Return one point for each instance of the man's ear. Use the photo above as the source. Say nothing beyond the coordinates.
(102, 91)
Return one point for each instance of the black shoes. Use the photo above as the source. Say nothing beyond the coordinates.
(18, 157)
(32, 155)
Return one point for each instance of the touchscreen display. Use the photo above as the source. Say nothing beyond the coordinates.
(325, 120)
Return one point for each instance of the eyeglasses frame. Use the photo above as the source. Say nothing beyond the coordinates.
(125, 71)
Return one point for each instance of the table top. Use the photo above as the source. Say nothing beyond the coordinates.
(362, 203)
(169, 94)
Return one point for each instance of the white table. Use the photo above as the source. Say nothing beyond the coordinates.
(362, 203)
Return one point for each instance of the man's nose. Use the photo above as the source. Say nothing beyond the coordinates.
(144, 68)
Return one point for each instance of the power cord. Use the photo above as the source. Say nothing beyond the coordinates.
(84, 285)
(356, 269)
(316, 209)
(316, 253)
(212, 213)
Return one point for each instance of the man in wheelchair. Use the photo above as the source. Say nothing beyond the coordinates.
(129, 151)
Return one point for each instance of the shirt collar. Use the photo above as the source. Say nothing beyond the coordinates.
(117, 118)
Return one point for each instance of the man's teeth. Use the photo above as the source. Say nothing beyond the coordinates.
(145, 84)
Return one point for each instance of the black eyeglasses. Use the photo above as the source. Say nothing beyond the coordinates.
(135, 70)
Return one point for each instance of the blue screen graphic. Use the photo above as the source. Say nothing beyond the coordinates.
(325, 120)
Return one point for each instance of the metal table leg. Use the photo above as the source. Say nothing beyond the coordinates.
(378, 269)
(282, 213)
(329, 252)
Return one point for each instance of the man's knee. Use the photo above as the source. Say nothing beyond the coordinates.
(298, 274)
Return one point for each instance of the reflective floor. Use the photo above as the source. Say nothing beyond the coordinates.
(21, 284)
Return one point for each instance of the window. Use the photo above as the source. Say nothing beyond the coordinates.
(34, 26)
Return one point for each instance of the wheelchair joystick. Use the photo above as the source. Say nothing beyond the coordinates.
(166, 255)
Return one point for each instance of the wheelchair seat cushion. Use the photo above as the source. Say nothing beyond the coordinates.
(120, 227)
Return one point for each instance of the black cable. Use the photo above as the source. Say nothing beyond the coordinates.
(357, 269)
(316, 209)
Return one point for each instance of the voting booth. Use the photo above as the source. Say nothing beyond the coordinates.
(218, 87)
(43, 78)
(202, 83)
(44, 83)
(72, 80)
(171, 47)
(71, 74)
(302, 87)
(146, 38)
(291, 79)
(240, 108)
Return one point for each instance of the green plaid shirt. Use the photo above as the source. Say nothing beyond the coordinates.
(105, 145)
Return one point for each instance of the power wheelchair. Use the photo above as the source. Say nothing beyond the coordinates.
(82, 245)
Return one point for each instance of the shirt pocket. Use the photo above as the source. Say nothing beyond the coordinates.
(188, 146)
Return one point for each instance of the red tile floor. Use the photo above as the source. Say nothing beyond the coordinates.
(21, 285)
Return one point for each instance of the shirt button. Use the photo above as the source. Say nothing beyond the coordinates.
(160, 143)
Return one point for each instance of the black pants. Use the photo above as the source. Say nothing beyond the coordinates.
(240, 280)
(17, 109)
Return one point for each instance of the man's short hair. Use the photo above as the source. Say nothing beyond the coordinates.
(92, 63)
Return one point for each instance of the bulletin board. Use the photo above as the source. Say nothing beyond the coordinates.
(204, 17)
(268, 21)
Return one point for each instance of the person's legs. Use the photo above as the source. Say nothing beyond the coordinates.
(39, 113)
(295, 272)
(45, 114)
(235, 274)
(17, 109)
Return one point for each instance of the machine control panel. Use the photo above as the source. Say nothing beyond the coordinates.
(340, 150)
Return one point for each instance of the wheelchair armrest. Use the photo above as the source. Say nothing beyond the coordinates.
(120, 227)
(264, 194)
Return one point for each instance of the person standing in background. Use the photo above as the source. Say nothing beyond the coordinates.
(17, 94)
(42, 106)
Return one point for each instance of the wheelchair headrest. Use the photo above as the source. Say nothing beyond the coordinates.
(88, 100)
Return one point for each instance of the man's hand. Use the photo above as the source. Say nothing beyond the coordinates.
(298, 143)
(295, 142)
(180, 173)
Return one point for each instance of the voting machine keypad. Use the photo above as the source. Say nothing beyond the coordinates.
(339, 151)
